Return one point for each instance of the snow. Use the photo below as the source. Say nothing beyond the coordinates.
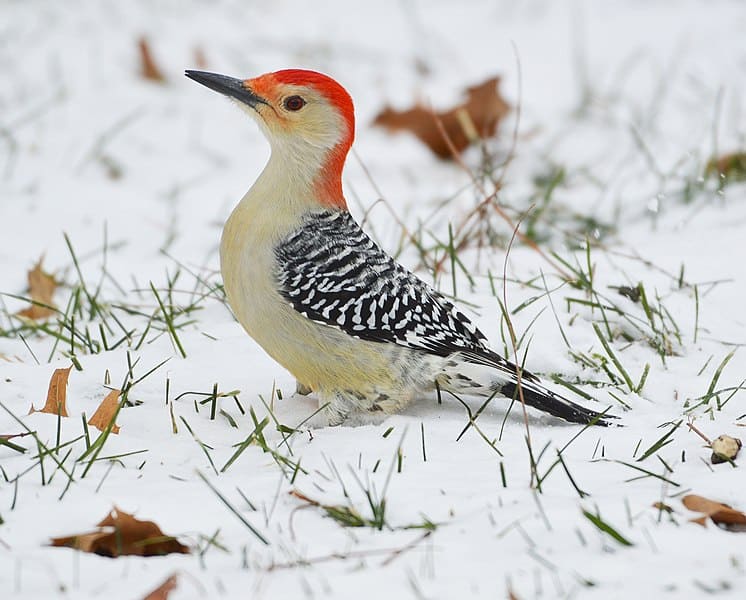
(664, 89)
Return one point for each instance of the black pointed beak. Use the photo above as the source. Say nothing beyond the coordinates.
(229, 86)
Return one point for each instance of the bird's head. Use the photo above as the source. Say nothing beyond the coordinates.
(307, 117)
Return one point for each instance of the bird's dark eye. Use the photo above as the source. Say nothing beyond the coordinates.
(294, 103)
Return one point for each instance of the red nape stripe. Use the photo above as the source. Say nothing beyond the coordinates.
(328, 185)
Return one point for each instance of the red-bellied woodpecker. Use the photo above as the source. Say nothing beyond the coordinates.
(306, 282)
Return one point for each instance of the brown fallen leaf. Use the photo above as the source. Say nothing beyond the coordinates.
(56, 403)
(148, 68)
(121, 534)
(41, 287)
(700, 520)
(465, 124)
(663, 507)
(729, 166)
(106, 412)
(721, 514)
(200, 60)
(163, 590)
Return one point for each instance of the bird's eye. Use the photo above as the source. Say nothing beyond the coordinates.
(294, 103)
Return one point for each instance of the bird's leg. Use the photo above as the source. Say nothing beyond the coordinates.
(302, 389)
(352, 408)
(333, 410)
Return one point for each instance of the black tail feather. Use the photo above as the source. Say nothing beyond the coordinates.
(554, 404)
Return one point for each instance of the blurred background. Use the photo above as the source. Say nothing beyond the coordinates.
(99, 125)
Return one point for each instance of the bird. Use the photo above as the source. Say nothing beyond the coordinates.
(363, 333)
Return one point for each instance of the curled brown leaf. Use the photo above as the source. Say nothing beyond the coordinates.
(106, 412)
(121, 534)
(455, 129)
(41, 287)
(721, 514)
(56, 403)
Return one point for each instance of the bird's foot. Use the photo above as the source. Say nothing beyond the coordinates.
(301, 389)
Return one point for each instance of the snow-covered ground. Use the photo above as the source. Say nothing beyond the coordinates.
(622, 103)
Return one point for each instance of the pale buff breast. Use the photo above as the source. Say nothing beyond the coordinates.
(322, 357)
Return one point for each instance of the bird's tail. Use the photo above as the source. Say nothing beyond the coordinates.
(547, 401)
(486, 375)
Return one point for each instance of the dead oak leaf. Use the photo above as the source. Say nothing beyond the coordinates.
(721, 514)
(163, 590)
(41, 287)
(106, 412)
(56, 403)
(728, 166)
(148, 67)
(452, 131)
(121, 534)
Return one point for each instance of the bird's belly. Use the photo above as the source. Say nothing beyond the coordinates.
(322, 357)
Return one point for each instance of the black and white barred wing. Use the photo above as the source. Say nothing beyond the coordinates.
(333, 273)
